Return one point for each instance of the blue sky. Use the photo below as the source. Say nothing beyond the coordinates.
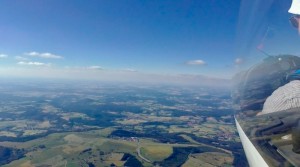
(169, 37)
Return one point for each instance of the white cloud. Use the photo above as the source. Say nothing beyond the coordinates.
(32, 54)
(20, 58)
(83, 68)
(3, 56)
(33, 63)
(238, 61)
(44, 55)
(196, 62)
(129, 70)
(95, 68)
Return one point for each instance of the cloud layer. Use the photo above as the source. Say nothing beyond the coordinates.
(129, 70)
(32, 63)
(3, 56)
(110, 76)
(196, 62)
(95, 68)
(20, 58)
(44, 55)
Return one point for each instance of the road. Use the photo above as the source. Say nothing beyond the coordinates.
(138, 150)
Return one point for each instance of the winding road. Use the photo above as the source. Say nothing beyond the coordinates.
(138, 150)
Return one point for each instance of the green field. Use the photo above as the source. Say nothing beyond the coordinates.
(209, 159)
(62, 149)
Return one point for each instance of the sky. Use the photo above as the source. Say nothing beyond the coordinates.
(136, 39)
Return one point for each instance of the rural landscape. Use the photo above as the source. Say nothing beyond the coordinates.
(91, 124)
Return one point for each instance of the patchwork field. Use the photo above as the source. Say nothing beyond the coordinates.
(62, 149)
(209, 159)
(108, 125)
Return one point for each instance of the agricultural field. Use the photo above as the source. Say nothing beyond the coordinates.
(106, 125)
(63, 149)
(209, 159)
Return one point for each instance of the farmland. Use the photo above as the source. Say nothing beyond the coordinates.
(91, 124)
